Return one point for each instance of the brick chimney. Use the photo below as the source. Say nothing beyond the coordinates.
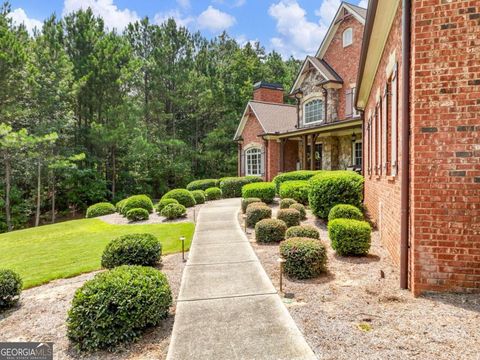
(268, 92)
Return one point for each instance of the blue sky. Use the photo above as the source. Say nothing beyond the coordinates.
(291, 27)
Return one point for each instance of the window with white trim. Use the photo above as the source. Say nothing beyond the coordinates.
(254, 161)
(313, 111)
(357, 154)
(347, 37)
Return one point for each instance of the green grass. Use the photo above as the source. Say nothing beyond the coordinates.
(73, 247)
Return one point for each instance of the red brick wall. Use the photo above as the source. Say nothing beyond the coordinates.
(268, 95)
(445, 154)
(250, 135)
(291, 155)
(273, 161)
(345, 60)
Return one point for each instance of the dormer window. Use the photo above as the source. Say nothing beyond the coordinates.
(347, 37)
(313, 111)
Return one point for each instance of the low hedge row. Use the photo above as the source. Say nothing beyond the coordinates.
(296, 190)
(294, 175)
(263, 190)
(305, 258)
(232, 186)
(100, 209)
(203, 184)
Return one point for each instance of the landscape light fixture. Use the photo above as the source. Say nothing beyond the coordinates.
(281, 261)
(182, 239)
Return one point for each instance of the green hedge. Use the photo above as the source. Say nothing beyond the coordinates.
(305, 231)
(202, 184)
(285, 203)
(270, 230)
(301, 210)
(174, 211)
(10, 288)
(137, 201)
(331, 188)
(137, 214)
(248, 201)
(119, 205)
(290, 216)
(350, 237)
(213, 193)
(199, 196)
(183, 196)
(305, 258)
(263, 190)
(164, 202)
(296, 190)
(100, 209)
(232, 186)
(132, 249)
(345, 211)
(255, 213)
(294, 175)
(116, 306)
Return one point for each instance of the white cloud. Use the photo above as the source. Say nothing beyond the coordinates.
(19, 16)
(242, 40)
(111, 14)
(184, 3)
(175, 15)
(363, 3)
(215, 20)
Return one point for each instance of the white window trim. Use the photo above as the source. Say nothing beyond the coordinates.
(354, 162)
(346, 31)
(304, 112)
(262, 162)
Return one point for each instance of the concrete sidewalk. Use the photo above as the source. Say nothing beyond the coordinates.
(227, 307)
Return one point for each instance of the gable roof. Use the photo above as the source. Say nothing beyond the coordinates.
(359, 13)
(322, 67)
(273, 117)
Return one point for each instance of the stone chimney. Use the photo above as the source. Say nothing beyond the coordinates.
(268, 92)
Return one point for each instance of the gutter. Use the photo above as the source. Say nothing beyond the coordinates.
(404, 180)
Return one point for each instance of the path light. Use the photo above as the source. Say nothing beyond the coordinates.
(182, 239)
(194, 215)
(281, 261)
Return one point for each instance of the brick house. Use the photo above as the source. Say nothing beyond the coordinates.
(323, 130)
(419, 91)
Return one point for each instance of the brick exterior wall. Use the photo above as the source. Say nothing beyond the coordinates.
(268, 95)
(250, 139)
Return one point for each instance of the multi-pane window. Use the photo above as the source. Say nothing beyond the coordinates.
(253, 160)
(357, 154)
(314, 111)
(347, 37)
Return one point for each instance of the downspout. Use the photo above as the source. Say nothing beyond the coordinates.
(404, 180)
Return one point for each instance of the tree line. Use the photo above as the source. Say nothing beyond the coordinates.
(89, 114)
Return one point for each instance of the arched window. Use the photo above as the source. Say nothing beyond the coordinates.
(347, 37)
(254, 161)
(313, 111)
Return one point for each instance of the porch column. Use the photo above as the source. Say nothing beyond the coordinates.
(281, 164)
(304, 160)
(313, 138)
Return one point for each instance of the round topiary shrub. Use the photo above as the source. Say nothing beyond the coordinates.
(137, 201)
(285, 203)
(295, 189)
(232, 186)
(100, 209)
(290, 216)
(305, 231)
(270, 230)
(119, 205)
(248, 201)
(334, 187)
(137, 214)
(260, 203)
(164, 202)
(10, 288)
(199, 196)
(132, 249)
(301, 210)
(294, 175)
(183, 196)
(255, 213)
(345, 211)
(263, 190)
(116, 306)
(213, 193)
(350, 237)
(202, 184)
(305, 258)
(174, 211)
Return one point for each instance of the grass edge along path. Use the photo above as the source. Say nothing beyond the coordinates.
(74, 247)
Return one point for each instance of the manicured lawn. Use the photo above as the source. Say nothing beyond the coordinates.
(73, 247)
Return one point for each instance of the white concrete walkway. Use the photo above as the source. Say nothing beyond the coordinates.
(227, 307)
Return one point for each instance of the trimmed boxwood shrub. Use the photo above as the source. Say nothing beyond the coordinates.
(213, 193)
(183, 196)
(290, 216)
(294, 175)
(301, 210)
(137, 201)
(199, 196)
(132, 249)
(164, 202)
(255, 213)
(137, 214)
(350, 237)
(248, 201)
(305, 258)
(174, 211)
(270, 230)
(10, 288)
(334, 187)
(119, 205)
(263, 190)
(203, 184)
(100, 209)
(296, 189)
(259, 203)
(116, 306)
(345, 211)
(305, 231)
(232, 186)
(285, 203)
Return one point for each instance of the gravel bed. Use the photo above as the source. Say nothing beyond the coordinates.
(154, 218)
(357, 311)
(41, 314)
